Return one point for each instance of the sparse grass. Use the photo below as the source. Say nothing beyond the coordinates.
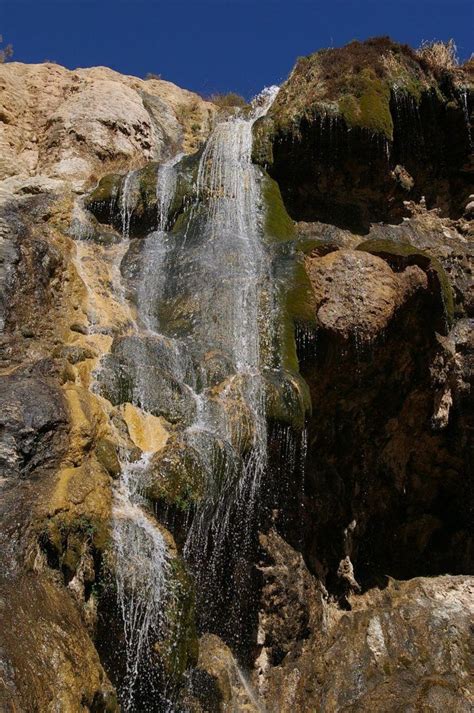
(438, 54)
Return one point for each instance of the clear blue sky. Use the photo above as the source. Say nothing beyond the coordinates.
(218, 45)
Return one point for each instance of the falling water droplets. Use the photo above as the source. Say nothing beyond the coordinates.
(142, 564)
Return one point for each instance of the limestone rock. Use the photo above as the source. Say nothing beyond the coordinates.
(358, 294)
(148, 432)
(77, 125)
(405, 646)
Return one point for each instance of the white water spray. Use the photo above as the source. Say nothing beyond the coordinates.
(141, 571)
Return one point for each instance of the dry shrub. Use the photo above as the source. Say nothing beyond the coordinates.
(438, 54)
(391, 64)
(5, 52)
(230, 99)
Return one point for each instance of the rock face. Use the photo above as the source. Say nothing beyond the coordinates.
(366, 307)
(59, 444)
(78, 125)
(356, 131)
(355, 570)
(402, 647)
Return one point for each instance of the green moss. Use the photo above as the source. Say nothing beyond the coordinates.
(321, 246)
(262, 148)
(287, 398)
(106, 454)
(278, 224)
(355, 80)
(65, 539)
(104, 200)
(367, 103)
(179, 648)
(178, 478)
(401, 254)
(297, 308)
(299, 297)
(106, 191)
(185, 191)
(294, 297)
(147, 185)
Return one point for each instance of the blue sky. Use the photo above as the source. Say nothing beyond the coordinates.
(218, 45)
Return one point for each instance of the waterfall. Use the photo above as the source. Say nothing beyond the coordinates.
(165, 189)
(152, 275)
(219, 264)
(231, 274)
(141, 556)
(141, 571)
(128, 201)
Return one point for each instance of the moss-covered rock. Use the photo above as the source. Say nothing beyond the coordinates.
(356, 81)
(141, 370)
(176, 476)
(369, 105)
(287, 398)
(103, 200)
(107, 201)
(106, 454)
(346, 118)
(278, 225)
(178, 649)
(291, 285)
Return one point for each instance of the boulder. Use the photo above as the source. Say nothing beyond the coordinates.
(357, 294)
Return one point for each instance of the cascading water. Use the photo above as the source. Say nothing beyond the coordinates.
(141, 557)
(165, 189)
(233, 269)
(141, 571)
(216, 274)
(204, 295)
(128, 201)
(155, 247)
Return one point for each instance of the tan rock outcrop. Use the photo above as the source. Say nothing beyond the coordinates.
(78, 125)
(400, 648)
(358, 293)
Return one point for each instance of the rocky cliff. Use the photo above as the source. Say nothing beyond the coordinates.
(236, 416)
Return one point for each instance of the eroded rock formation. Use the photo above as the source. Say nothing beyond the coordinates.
(344, 583)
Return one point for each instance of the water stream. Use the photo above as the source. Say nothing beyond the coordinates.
(216, 275)
(141, 571)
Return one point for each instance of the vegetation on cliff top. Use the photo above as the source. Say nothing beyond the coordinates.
(6, 52)
(356, 81)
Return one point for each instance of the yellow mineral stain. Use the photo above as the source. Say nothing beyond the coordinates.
(148, 432)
